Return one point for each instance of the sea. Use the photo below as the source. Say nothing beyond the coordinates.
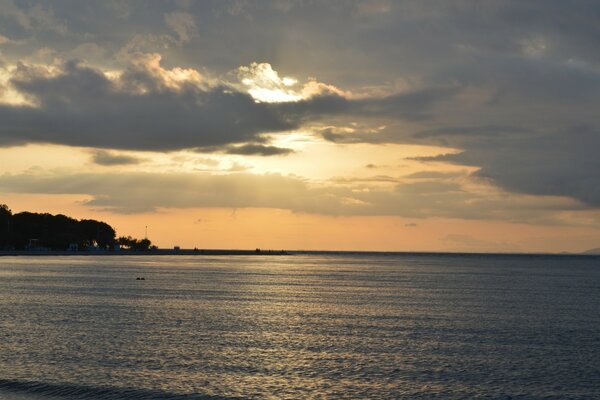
(300, 326)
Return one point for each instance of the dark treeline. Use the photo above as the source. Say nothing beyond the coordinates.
(30, 231)
(135, 244)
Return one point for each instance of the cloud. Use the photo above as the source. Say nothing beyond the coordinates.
(37, 17)
(121, 9)
(139, 192)
(413, 106)
(264, 84)
(563, 163)
(530, 126)
(436, 175)
(332, 134)
(141, 44)
(80, 106)
(248, 149)
(513, 86)
(368, 7)
(133, 192)
(103, 157)
(90, 51)
(183, 24)
(258, 149)
(148, 107)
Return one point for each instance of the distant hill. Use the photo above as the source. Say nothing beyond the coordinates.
(592, 251)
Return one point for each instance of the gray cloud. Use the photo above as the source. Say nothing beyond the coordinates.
(532, 128)
(332, 135)
(107, 158)
(140, 192)
(32, 18)
(563, 163)
(437, 175)
(401, 38)
(415, 105)
(183, 24)
(81, 107)
(258, 149)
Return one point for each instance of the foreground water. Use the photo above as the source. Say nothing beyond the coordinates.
(300, 326)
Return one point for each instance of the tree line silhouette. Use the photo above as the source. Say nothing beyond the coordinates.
(29, 231)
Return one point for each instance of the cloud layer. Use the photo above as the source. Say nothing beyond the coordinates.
(418, 196)
(151, 108)
(511, 88)
(80, 106)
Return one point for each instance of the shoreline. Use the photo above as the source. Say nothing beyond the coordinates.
(158, 252)
(237, 252)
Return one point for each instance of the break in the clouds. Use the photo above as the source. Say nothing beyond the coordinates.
(511, 88)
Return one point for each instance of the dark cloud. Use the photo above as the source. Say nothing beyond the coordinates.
(538, 136)
(334, 135)
(259, 150)
(563, 163)
(107, 158)
(435, 175)
(81, 107)
(415, 105)
(401, 38)
(329, 135)
(469, 131)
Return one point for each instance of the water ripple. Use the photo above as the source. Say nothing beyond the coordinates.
(72, 391)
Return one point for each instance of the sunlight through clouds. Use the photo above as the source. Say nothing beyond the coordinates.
(264, 84)
(8, 94)
(375, 107)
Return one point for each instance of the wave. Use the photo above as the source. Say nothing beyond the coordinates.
(74, 391)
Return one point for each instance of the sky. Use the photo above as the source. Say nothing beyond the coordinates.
(341, 125)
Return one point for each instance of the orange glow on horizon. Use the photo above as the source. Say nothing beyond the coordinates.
(249, 228)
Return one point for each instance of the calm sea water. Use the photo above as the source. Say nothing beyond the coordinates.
(301, 326)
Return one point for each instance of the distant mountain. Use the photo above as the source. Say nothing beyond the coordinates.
(592, 251)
